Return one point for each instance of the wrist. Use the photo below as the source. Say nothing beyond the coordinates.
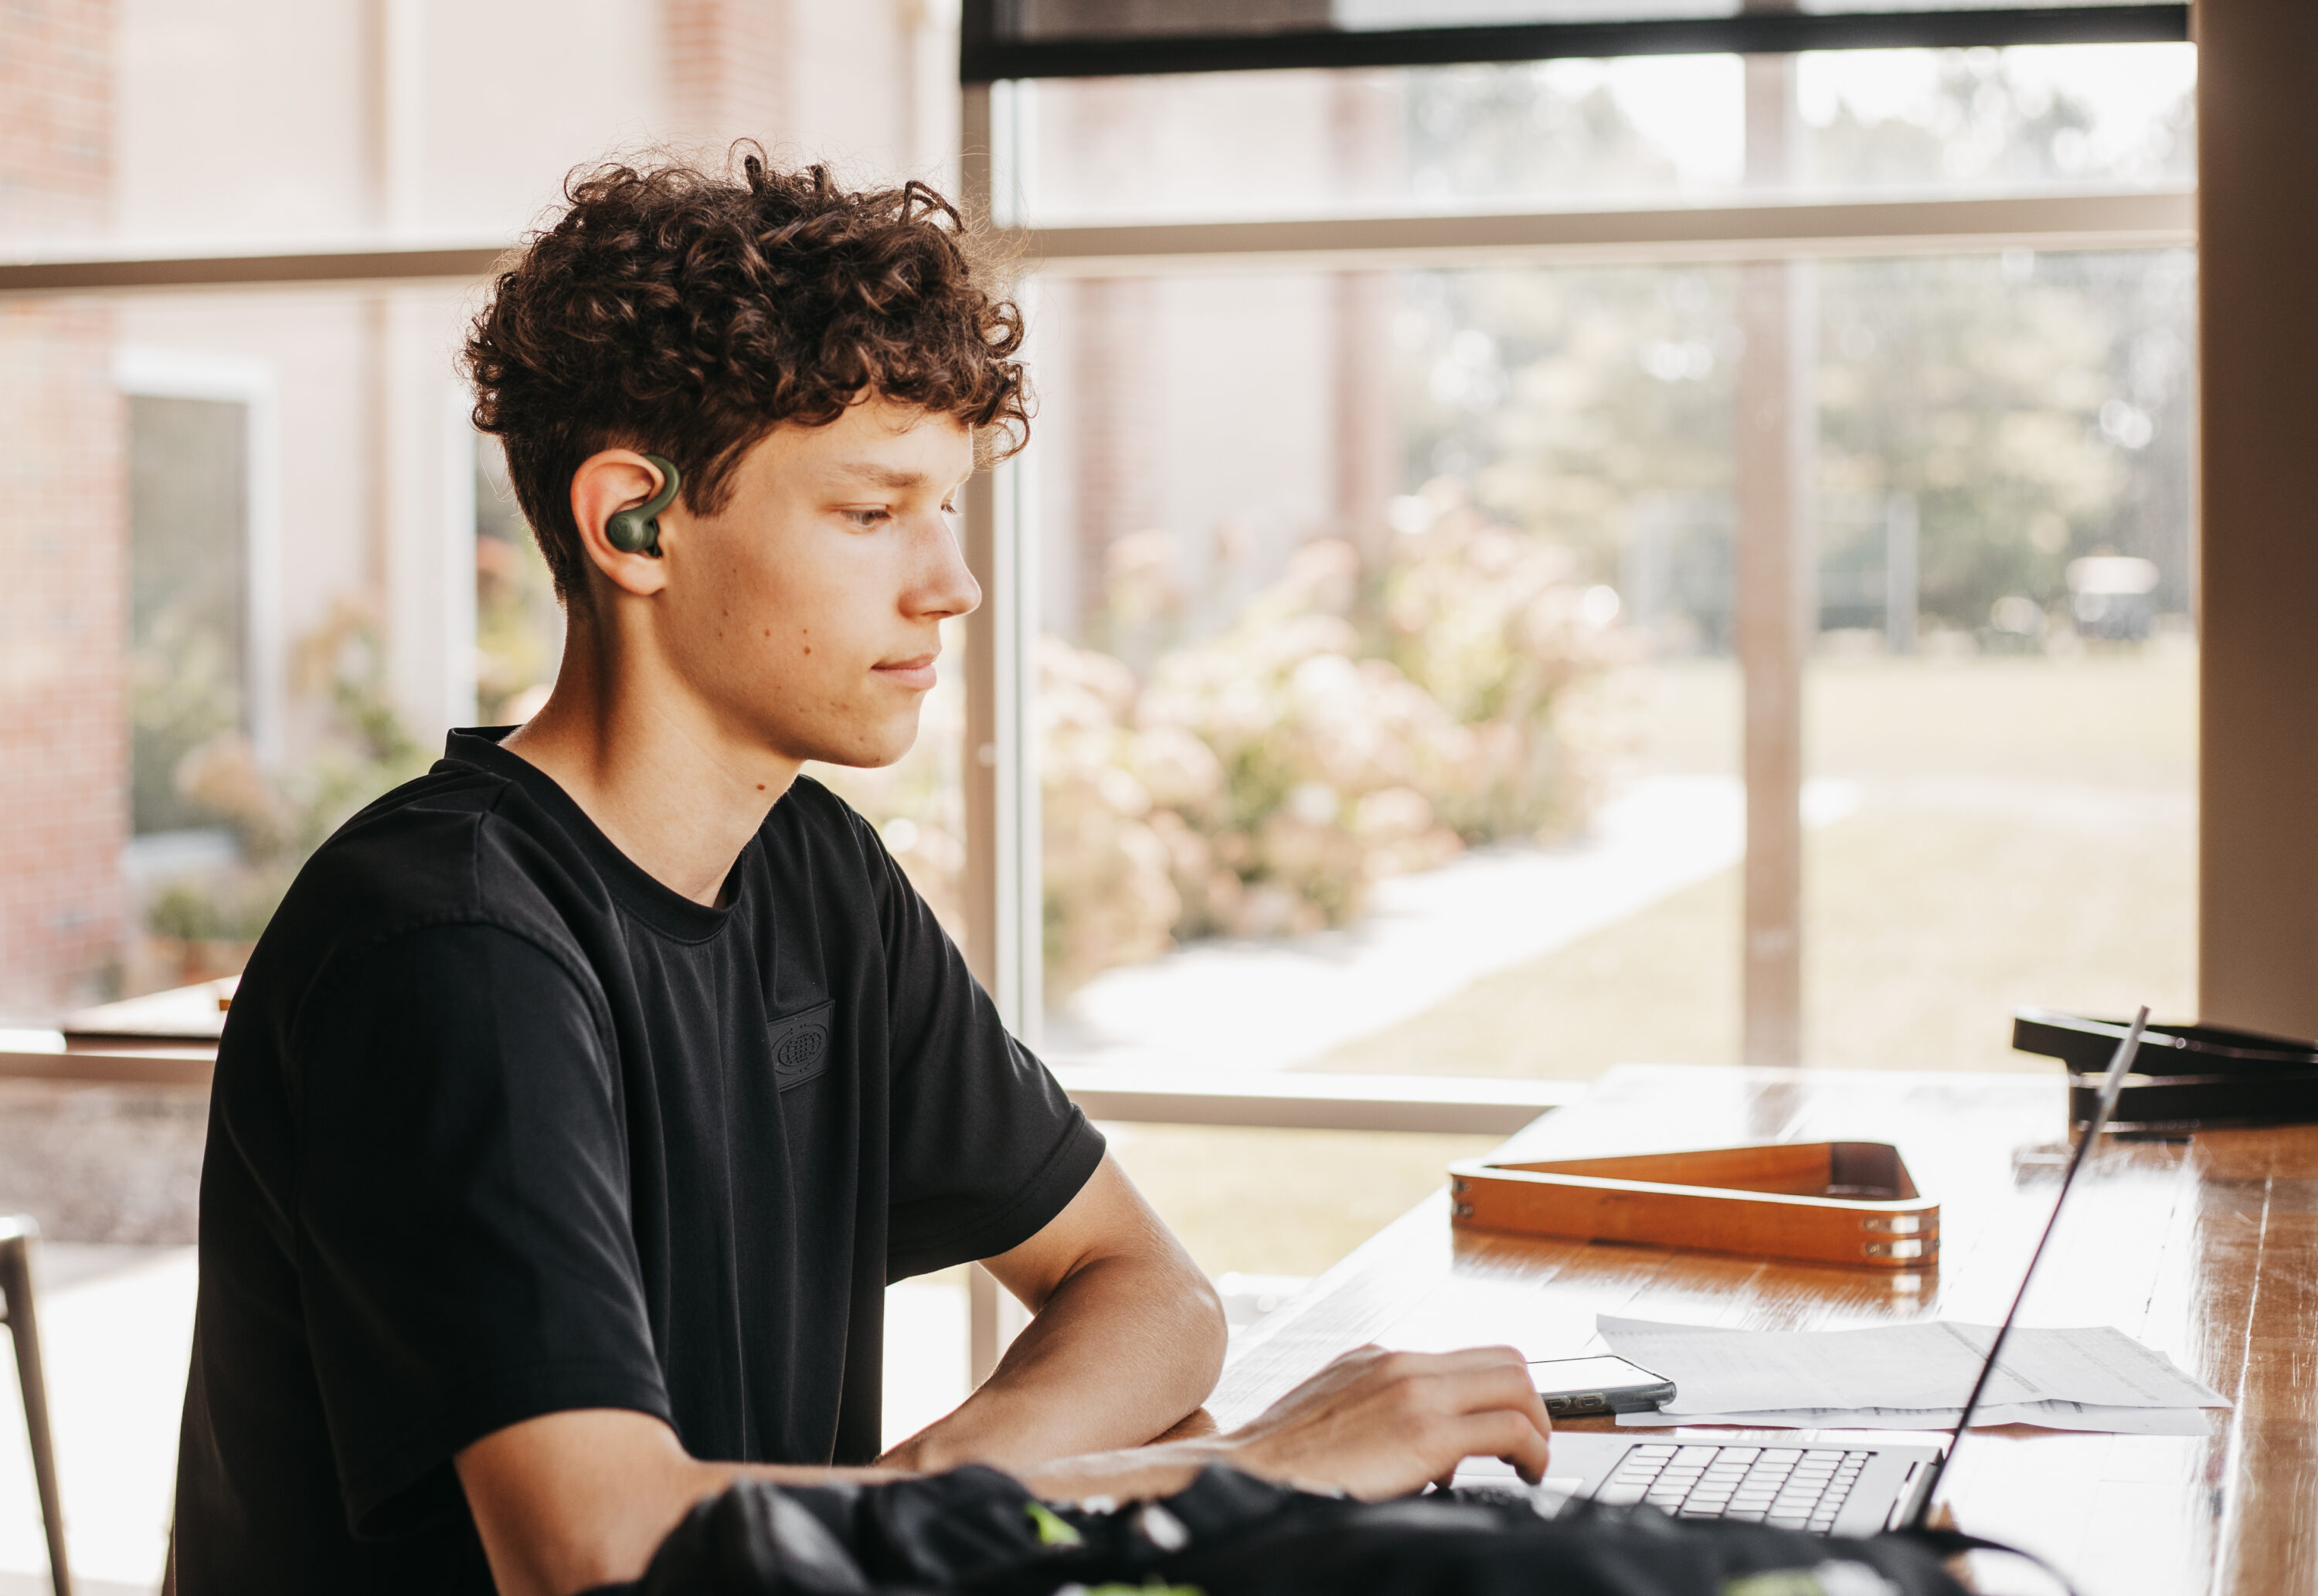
(1138, 1475)
(1250, 1455)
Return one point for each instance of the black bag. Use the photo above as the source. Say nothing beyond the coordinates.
(976, 1532)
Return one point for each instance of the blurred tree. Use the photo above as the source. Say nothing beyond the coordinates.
(2037, 407)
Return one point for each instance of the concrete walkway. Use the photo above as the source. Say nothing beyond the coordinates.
(1276, 1003)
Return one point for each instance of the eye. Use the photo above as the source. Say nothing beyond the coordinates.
(866, 519)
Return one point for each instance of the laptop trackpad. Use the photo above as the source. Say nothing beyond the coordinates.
(1494, 1473)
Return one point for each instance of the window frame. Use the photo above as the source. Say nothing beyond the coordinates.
(150, 371)
(1003, 902)
(1002, 930)
(986, 54)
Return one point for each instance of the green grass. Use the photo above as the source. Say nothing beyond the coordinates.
(1282, 1202)
(2023, 836)
(2112, 720)
(1924, 929)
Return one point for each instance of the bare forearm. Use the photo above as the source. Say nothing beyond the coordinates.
(1121, 1351)
(570, 1500)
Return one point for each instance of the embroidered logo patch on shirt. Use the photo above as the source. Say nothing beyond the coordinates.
(801, 1044)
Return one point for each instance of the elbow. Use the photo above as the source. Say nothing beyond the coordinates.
(1207, 1334)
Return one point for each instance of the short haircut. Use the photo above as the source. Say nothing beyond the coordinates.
(684, 314)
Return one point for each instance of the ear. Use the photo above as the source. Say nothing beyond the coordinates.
(607, 482)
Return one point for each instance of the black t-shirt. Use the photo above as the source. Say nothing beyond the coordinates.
(502, 1126)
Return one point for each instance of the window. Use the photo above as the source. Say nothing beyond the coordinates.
(1505, 360)
(1589, 133)
(1332, 481)
(188, 554)
(1578, 420)
(288, 528)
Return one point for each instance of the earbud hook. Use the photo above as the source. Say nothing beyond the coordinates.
(637, 531)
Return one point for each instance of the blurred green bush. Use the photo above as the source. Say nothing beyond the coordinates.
(1356, 721)
(359, 751)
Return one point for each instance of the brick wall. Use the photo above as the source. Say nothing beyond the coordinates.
(63, 609)
(1118, 435)
(56, 117)
(728, 64)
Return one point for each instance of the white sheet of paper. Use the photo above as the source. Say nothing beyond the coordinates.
(1928, 1366)
(2051, 1415)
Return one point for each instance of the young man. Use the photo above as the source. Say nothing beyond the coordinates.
(585, 1093)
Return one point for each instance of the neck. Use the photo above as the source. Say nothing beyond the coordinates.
(675, 791)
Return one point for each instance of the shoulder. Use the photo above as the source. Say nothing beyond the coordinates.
(457, 842)
(456, 848)
(417, 849)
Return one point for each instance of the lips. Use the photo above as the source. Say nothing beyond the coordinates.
(918, 673)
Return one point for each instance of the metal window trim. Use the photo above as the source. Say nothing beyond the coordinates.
(2151, 219)
(299, 269)
(1004, 929)
(1282, 1100)
(2097, 219)
(985, 56)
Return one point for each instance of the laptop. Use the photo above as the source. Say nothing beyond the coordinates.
(1770, 1476)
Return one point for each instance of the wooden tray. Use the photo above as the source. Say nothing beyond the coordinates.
(1826, 1202)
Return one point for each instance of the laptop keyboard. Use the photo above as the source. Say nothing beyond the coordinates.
(1793, 1487)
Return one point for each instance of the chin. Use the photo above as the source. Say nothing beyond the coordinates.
(865, 751)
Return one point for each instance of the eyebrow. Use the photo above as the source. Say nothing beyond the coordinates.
(884, 476)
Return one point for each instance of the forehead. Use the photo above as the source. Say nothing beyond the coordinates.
(875, 445)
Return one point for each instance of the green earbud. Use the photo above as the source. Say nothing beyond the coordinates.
(637, 531)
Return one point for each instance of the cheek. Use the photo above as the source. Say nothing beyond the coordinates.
(738, 625)
(799, 617)
(801, 640)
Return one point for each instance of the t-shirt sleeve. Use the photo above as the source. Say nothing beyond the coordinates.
(985, 1148)
(465, 1256)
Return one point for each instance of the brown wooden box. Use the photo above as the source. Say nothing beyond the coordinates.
(1826, 1202)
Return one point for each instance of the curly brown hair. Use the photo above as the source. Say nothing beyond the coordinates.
(683, 314)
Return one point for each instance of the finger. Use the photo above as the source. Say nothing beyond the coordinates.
(1505, 1435)
(1466, 1360)
(1481, 1389)
(1527, 1478)
(1532, 1403)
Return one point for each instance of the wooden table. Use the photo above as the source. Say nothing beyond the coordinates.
(2206, 1248)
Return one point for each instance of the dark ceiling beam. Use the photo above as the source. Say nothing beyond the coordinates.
(985, 56)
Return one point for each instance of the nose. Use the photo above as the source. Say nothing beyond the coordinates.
(941, 585)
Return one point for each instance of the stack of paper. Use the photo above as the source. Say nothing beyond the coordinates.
(1911, 1376)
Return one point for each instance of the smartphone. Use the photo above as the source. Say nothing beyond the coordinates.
(1580, 1387)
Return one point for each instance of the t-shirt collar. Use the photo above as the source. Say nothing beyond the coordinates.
(636, 888)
